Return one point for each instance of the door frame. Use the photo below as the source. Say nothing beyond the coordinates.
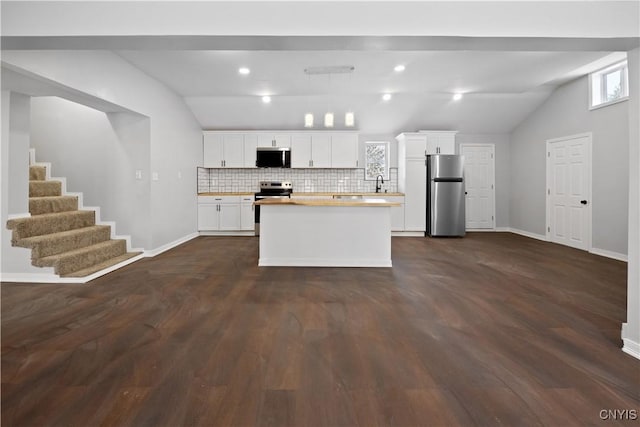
(589, 166)
(493, 178)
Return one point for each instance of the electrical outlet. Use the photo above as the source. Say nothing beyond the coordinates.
(154, 176)
(138, 174)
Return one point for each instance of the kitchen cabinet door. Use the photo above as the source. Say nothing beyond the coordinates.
(213, 150)
(250, 145)
(229, 216)
(207, 217)
(274, 139)
(233, 150)
(415, 198)
(247, 218)
(397, 212)
(321, 151)
(447, 143)
(301, 151)
(415, 146)
(344, 150)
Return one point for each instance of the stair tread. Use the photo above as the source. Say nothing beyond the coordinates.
(101, 266)
(97, 246)
(51, 197)
(61, 234)
(48, 215)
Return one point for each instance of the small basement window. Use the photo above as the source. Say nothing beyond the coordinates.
(609, 85)
(376, 160)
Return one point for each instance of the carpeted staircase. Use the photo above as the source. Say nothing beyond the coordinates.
(60, 235)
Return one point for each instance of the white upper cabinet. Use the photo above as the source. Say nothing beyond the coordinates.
(250, 145)
(321, 150)
(301, 151)
(344, 150)
(221, 150)
(415, 145)
(309, 149)
(212, 150)
(274, 139)
(441, 142)
(234, 150)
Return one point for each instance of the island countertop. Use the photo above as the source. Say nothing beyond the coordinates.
(326, 202)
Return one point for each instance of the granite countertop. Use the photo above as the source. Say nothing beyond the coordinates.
(327, 202)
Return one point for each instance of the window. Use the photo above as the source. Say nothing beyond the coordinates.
(376, 160)
(609, 85)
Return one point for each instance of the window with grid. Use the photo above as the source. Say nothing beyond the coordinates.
(376, 160)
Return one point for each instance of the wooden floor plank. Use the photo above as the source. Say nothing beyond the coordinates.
(491, 329)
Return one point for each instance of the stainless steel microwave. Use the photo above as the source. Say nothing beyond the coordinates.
(273, 157)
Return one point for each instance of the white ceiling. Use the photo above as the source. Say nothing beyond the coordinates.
(501, 87)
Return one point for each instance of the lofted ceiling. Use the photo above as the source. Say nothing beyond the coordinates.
(506, 57)
(500, 87)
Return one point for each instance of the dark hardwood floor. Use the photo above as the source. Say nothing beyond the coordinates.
(492, 329)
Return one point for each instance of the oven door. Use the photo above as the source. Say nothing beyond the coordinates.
(260, 196)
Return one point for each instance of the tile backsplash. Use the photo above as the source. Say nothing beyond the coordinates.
(304, 180)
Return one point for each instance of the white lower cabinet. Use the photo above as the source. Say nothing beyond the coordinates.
(218, 213)
(247, 216)
(415, 195)
(397, 212)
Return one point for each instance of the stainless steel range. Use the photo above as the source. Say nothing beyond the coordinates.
(271, 190)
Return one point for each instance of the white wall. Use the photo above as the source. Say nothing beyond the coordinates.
(631, 330)
(15, 179)
(175, 136)
(566, 113)
(93, 151)
(502, 169)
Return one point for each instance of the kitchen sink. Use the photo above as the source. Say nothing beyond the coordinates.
(351, 197)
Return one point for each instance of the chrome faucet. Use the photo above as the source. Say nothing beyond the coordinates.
(378, 186)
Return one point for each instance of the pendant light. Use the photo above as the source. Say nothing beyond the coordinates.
(349, 116)
(349, 119)
(328, 117)
(308, 120)
(308, 117)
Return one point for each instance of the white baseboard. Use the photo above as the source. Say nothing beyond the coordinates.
(315, 262)
(408, 233)
(166, 247)
(529, 234)
(503, 229)
(54, 278)
(481, 230)
(631, 347)
(609, 254)
(227, 233)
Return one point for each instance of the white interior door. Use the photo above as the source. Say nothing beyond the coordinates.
(479, 178)
(569, 190)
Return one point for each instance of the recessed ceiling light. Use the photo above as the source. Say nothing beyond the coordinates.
(457, 96)
(386, 97)
(399, 68)
(266, 99)
(244, 70)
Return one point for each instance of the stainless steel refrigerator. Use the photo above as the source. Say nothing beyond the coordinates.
(445, 195)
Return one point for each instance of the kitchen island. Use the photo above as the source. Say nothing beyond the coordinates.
(325, 233)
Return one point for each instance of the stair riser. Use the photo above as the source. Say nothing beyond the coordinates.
(68, 243)
(37, 173)
(39, 225)
(69, 264)
(45, 188)
(53, 205)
